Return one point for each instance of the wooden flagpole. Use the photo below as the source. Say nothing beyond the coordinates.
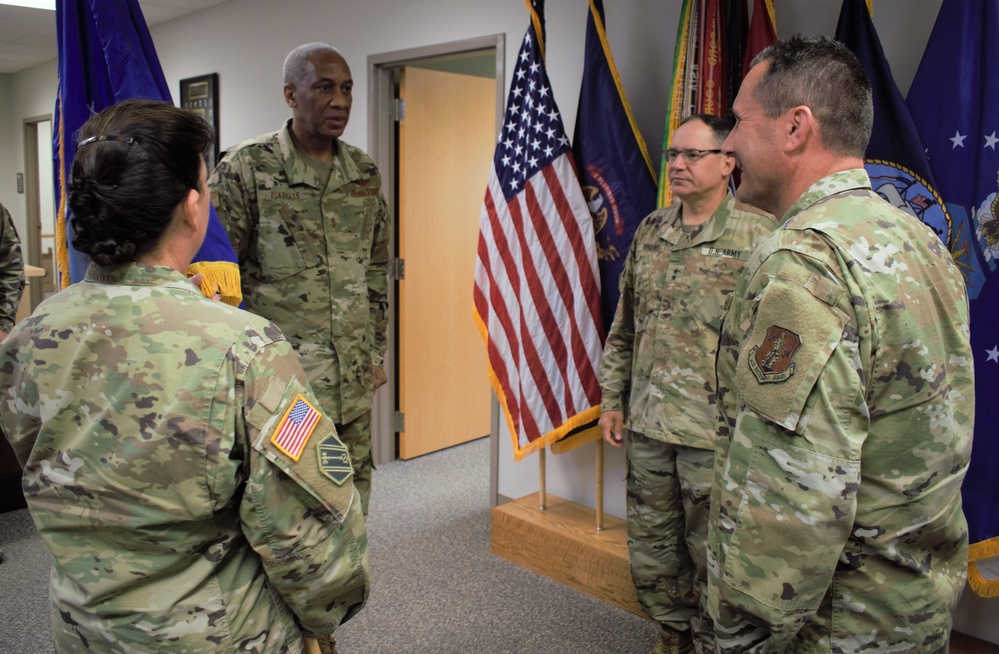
(542, 493)
(600, 485)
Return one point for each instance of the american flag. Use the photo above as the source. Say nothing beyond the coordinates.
(537, 287)
(293, 433)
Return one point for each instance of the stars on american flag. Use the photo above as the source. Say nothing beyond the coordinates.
(533, 133)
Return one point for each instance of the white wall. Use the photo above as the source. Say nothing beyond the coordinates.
(245, 42)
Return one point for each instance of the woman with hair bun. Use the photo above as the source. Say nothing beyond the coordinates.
(193, 493)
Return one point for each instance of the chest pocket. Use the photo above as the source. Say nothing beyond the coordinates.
(285, 245)
(719, 274)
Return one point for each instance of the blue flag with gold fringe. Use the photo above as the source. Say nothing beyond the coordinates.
(106, 55)
(954, 101)
(614, 167)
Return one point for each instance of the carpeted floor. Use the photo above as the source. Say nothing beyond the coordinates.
(437, 589)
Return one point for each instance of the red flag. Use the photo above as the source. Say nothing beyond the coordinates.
(537, 290)
(762, 31)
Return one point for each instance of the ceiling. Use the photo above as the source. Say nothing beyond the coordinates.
(28, 36)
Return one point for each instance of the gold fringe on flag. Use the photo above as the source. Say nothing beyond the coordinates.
(221, 277)
(568, 443)
(983, 586)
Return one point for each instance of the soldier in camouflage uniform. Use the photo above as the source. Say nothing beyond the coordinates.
(11, 273)
(657, 372)
(308, 221)
(846, 388)
(176, 463)
(11, 278)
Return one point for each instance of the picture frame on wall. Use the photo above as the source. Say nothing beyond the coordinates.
(200, 95)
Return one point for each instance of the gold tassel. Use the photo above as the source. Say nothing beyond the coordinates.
(569, 443)
(221, 277)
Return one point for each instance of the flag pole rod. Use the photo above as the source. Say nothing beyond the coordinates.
(542, 493)
(600, 485)
(311, 645)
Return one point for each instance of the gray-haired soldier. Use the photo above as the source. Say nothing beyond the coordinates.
(845, 388)
(194, 495)
(306, 216)
(658, 366)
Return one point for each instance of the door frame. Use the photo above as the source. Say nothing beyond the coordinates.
(382, 69)
(31, 241)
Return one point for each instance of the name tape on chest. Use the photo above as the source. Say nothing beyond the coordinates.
(294, 430)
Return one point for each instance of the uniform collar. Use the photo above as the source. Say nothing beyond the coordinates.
(845, 180)
(711, 230)
(298, 171)
(138, 274)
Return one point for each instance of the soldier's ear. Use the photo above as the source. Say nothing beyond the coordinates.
(289, 95)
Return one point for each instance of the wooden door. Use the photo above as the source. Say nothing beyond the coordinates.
(446, 143)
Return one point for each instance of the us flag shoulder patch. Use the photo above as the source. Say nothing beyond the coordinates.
(293, 431)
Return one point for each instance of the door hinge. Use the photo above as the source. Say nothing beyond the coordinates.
(400, 110)
(397, 269)
(399, 421)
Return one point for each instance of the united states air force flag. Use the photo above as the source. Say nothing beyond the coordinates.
(106, 55)
(954, 102)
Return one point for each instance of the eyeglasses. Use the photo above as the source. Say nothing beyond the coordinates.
(690, 155)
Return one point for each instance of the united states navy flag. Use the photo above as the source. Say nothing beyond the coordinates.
(894, 160)
(954, 102)
(106, 55)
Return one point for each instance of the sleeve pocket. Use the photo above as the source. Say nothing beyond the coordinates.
(794, 333)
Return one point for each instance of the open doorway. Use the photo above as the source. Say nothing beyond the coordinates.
(423, 172)
(38, 241)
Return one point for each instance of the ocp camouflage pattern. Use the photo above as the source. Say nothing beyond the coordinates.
(658, 362)
(142, 414)
(313, 257)
(846, 392)
(11, 271)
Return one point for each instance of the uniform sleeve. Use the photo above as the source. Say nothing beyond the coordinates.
(615, 363)
(786, 488)
(11, 271)
(234, 203)
(378, 284)
(300, 511)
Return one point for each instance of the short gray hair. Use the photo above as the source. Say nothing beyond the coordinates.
(296, 64)
(824, 75)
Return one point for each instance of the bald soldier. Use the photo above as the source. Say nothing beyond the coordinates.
(657, 373)
(845, 387)
(307, 219)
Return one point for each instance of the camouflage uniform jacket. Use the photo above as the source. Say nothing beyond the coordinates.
(658, 363)
(313, 258)
(847, 402)
(11, 271)
(143, 414)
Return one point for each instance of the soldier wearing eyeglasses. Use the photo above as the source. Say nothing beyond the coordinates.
(657, 373)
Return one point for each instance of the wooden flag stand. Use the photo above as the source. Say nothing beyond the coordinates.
(557, 538)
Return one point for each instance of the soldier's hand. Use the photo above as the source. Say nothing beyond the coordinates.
(378, 377)
(611, 426)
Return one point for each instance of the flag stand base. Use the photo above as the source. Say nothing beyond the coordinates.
(562, 543)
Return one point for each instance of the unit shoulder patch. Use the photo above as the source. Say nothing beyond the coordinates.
(772, 361)
(334, 460)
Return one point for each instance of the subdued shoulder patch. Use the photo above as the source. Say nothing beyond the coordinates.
(294, 430)
(773, 360)
(334, 460)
